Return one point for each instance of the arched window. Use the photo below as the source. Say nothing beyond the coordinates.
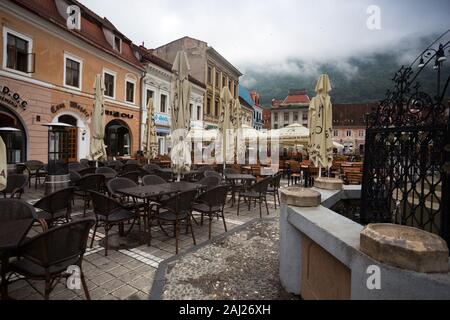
(117, 138)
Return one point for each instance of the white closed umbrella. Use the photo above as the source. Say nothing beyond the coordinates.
(320, 124)
(181, 115)
(97, 146)
(151, 140)
(3, 165)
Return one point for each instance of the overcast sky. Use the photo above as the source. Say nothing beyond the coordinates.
(270, 32)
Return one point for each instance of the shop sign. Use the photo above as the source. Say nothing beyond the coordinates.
(11, 98)
(162, 119)
(117, 114)
(72, 105)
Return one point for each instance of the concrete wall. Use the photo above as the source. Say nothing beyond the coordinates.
(339, 237)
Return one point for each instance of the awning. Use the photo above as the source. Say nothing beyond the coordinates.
(163, 130)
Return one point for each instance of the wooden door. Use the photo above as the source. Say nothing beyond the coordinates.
(72, 144)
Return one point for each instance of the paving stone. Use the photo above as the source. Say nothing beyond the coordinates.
(143, 284)
(113, 285)
(118, 271)
(102, 278)
(124, 292)
(120, 276)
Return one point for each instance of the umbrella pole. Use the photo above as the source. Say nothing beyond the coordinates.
(320, 171)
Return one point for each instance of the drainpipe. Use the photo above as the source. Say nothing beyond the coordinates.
(143, 96)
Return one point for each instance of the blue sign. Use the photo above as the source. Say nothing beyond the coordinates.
(162, 119)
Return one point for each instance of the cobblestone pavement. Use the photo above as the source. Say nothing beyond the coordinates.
(242, 266)
(128, 270)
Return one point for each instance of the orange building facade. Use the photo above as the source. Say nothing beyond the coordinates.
(47, 74)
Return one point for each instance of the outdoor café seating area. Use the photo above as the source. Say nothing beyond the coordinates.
(114, 211)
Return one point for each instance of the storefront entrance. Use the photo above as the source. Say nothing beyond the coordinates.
(72, 140)
(117, 139)
(15, 141)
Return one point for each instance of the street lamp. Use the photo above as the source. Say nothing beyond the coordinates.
(58, 155)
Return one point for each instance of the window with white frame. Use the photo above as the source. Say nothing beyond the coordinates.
(17, 51)
(150, 95)
(361, 133)
(110, 83)
(199, 113)
(163, 104)
(336, 133)
(349, 133)
(130, 86)
(73, 68)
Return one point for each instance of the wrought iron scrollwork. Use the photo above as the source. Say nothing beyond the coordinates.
(406, 176)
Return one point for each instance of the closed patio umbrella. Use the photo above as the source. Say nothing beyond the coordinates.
(151, 141)
(3, 165)
(180, 95)
(226, 122)
(97, 147)
(320, 123)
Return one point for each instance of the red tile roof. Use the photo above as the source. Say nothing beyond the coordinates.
(294, 99)
(351, 115)
(91, 27)
(297, 96)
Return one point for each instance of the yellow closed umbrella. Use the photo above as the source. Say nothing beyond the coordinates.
(320, 123)
(97, 147)
(3, 165)
(181, 116)
(151, 141)
(225, 122)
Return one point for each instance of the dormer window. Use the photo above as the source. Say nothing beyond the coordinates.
(117, 44)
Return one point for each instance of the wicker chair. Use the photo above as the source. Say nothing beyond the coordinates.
(150, 168)
(274, 188)
(108, 213)
(87, 171)
(132, 161)
(15, 185)
(33, 168)
(257, 192)
(150, 180)
(74, 177)
(131, 167)
(105, 170)
(168, 176)
(132, 175)
(213, 174)
(75, 166)
(93, 182)
(210, 182)
(48, 256)
(56, 206)
(174, 210)
(15, 209)
(211, 203)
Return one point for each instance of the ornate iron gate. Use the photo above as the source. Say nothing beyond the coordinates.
(407, 157)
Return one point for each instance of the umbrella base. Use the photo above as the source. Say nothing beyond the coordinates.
(328, 183)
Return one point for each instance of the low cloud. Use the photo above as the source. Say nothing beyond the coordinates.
(274, 34)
